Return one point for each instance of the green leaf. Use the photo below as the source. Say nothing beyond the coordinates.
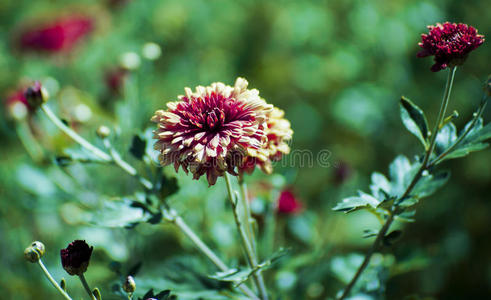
(430, 183)
(392, 237)
(446, 138)
(367, 233)
(124, 213)
(406, 216)
(401, 173)
(414, 120)
(163, 295)
(363, 200)
(380, 185)
(72, 155)
(167, 186)
(138, 146)
(464, 150)
(238, 276)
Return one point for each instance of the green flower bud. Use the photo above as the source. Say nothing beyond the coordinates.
(39, 247)
(129, 285)
(34, 252)
(103, 132)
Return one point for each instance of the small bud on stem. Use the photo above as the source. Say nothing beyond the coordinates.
(129, 285)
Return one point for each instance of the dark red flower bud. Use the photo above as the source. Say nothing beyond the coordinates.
(58, 36)
(342, 173)
(449, 43)
(35, 95)
(288, 204)
(115, 79)
(75, 258)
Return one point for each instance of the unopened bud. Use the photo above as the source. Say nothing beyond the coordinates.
(129, 285)
(151, 51)
(36, 95)
(75, 258)
(34, 252)
(130, 61)
(103, 132)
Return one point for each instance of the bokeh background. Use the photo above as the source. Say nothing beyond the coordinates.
(337, 68)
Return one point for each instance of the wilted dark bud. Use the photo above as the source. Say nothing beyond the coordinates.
(103, 132)
(129, 285)
(34, 252)
(75, 258)
(36, 95)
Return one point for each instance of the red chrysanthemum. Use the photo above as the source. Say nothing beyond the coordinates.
(58, 36)
(278, 133)
(450, 43)
(212, 130)
(288, 204)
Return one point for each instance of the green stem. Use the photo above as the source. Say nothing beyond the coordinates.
(53, 282)
(424, 165)
(247, 212)
(28, 141)
(461, 137)
(72, 134)
(86, 286)
(116, 158)
(173, 217)
(250, 254)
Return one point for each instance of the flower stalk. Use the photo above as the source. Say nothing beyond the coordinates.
(424, 165)
(247, 244)
(53, 281)
(86, 286)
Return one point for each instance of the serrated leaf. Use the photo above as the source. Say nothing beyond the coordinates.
(72, 155)
(464, 150)
(446, 138)
(414, 120)
(121, 213)
(401, 173)
(361, 201)
(380, 186)
(238, 276)
(163, 295)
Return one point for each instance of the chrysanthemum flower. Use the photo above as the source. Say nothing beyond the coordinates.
(450, 43)
(278, 133)
(212, 130)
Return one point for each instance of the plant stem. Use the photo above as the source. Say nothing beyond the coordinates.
(461, 137)
(86, 286)
(116, 158)
(179, 222)
(247, 212)
(250, 254)
(53, 282)
(72, 134)
(424, 165)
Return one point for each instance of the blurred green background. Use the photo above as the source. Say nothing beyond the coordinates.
(337, 68)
